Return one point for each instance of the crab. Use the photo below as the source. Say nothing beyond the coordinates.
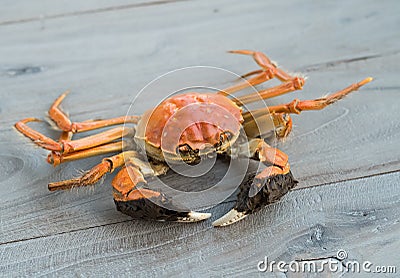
(170, 136)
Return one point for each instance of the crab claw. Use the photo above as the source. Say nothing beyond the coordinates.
(255, 194)
(194, 216)
(231, 217)
(132, 197)
(158, 208)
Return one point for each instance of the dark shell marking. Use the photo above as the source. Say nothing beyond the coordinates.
(148, 209)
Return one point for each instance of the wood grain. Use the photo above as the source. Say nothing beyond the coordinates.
(358, 216)
(24, 11)
(346, 157)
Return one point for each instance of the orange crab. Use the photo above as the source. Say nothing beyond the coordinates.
(180, 130)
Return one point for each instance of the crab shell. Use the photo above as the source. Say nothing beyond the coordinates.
(186, 126)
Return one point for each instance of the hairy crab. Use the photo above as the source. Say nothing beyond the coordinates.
(187, 137)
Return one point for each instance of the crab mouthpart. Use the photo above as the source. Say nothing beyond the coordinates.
(231, 217)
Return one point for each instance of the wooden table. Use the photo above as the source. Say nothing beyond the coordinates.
(346, 157)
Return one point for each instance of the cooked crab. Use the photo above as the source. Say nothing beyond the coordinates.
(168, 134)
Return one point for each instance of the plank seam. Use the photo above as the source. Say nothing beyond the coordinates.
(335, 63)
(225, 202)
(93, 11)
(352, 179)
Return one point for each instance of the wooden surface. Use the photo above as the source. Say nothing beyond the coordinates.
(346, 157)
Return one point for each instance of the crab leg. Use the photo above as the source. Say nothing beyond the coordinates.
(289, 86)
(67, 146)
(258, 123)
(265, 63)
(296, 106)
(96, 140)
(107, 165)
(38, 138)
(267, 72)
(254, 72)
(65, 124)
(56, 158)
(143, 203)
(266, 187)
(65, 136)
(260, 78)
(280, 113)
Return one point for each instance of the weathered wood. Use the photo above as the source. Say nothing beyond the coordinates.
(41, 11)
(359, 216)
(107, 56)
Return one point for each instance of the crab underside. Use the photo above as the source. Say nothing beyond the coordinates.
(191, 137)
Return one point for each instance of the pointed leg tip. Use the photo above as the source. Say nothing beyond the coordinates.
(27, 120)
(362, 83)
(241, 51)
(194, 216)
(231, 217)
(367, 80)
(21, 125)
(61, 98)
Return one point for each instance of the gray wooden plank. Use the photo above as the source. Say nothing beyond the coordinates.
(39, 11)
(106, 60)
(359, 216)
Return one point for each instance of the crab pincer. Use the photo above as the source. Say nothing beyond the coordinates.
(254, 194)
(132, 196)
